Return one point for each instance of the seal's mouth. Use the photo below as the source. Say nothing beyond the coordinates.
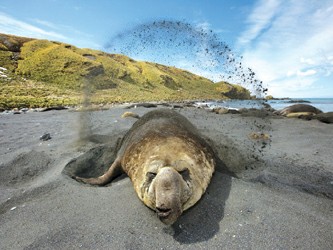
(163, 213)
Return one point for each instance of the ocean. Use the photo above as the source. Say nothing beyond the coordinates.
(324, 104)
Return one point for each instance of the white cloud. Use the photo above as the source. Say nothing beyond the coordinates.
(291, 46)
(45, 23)
(259, 20)
(307, 61)
(10, 25)
(290, 87)
(207, 27)
(309, 72)
(203, 26)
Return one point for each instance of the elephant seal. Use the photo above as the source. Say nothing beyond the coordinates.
(169, 163)
(325, 117)
(299, 108)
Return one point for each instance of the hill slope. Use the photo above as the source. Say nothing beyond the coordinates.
(44, 73)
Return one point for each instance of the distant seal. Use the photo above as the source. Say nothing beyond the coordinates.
(325, 117)
(169, 163)
(299, 108)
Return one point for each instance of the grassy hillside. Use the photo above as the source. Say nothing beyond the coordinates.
(37, 73)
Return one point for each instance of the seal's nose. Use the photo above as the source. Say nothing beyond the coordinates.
(163, 210)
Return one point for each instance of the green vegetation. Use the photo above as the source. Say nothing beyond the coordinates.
(44, 73)
(269, 97)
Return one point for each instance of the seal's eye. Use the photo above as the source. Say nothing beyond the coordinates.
(185, 174)
(151, 175)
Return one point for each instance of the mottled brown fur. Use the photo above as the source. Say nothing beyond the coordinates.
(169, 163)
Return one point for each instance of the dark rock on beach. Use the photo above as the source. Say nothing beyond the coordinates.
(53, 108)
(45, 137)
(145, 105)
(298, 101)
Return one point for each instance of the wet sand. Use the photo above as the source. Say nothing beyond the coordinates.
(280, 198)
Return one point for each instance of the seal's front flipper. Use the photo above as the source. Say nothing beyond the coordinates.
(114, 171)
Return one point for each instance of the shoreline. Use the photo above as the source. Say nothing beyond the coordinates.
(247, 107)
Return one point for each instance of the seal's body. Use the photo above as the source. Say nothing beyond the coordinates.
(299, 108)
(169, 163)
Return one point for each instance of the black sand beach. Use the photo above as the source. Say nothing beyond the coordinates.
(280, 198)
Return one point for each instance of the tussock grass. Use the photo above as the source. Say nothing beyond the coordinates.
(46, 73)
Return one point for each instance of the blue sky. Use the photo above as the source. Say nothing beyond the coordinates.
(287, 43)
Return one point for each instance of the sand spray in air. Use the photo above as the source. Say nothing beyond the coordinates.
(85, 120)
(196, 48)
(200, 50)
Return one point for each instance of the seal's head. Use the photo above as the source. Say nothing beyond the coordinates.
(170, 174)
(166, 191)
